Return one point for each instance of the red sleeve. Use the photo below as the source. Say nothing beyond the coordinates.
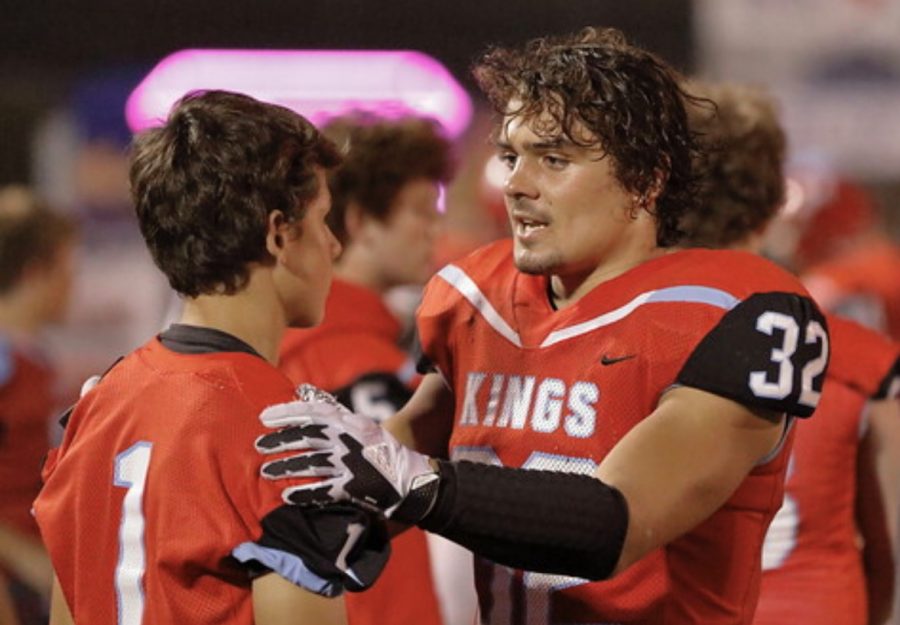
(435, 320)
(862, 358)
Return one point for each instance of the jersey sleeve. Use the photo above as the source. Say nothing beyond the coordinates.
(863, 359)
(435, 321)
(769, 351)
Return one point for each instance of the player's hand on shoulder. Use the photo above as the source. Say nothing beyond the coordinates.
(355, 458)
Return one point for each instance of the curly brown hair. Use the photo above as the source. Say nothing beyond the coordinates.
(31, 232)
(629, 100)
(205, 182)
(380, 157)
(742, 168)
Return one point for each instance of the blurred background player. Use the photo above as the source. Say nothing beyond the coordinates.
(386, 214)
(832, 233)
(842, 470)
(36, 264)
(149, 509)
(577, 375)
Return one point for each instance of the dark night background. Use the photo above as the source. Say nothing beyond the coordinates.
(45, 46)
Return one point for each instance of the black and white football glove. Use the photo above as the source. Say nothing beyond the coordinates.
(357, 460)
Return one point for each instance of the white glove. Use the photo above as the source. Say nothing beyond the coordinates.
(359, 461)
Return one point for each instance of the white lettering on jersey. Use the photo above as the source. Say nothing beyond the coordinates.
(494, 399)
(548, 406)
(508, 404)
(469, 414)
(519, 390)
(582, 421)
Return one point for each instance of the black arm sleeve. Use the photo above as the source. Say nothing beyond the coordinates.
(770, 351)
(543, 521)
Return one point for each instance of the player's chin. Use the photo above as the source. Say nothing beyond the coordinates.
(535, 262)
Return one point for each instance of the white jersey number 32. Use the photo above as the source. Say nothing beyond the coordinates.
(783, 384)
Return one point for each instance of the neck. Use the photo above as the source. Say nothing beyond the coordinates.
(752, 243)
(253, 315)
(567, 288)
(357, 266)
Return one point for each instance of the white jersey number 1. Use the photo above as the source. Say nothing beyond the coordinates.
(131, 473)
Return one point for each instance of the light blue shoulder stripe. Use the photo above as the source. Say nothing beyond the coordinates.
(691, 294)
(407, 371)
(695, 295)
(288, 566)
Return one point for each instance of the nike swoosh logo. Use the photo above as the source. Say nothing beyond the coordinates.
(609, 360)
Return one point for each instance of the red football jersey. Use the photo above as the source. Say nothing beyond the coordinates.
(863, 359)
(546, 389)
(812, 567)
(155, 484)
(26, 407)
(358, 335)
(863, 283)
(354, 354)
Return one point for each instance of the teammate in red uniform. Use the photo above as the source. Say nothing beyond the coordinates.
(813, 568)
(36, 249)
(613, 407)
(146, 510)
(833, 236)
(385, 214)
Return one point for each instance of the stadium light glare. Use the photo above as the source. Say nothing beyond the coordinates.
(318, 84)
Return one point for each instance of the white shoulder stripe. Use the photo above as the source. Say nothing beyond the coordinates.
(688, 293)
(457, 278)
(597, 322)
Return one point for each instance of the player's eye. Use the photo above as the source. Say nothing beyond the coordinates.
(555, 161)
(508, 159)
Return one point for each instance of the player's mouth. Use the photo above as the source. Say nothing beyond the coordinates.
(529, 228)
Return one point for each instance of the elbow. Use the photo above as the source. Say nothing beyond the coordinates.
(638, 543)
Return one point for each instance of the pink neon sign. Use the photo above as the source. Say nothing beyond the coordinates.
(317, 84)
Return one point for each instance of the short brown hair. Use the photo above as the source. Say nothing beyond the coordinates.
(204, 183)
(380, 157)
(628, 99)
(30, 232)
(742, 168)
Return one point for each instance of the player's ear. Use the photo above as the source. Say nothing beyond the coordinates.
(277, 231)
(660, 178)
(647, 200)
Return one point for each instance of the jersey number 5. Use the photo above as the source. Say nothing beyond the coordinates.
(783, 385)
(131, 473)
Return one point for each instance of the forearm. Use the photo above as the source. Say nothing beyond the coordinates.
(682, 463)
(512, 517)
(425, 422)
